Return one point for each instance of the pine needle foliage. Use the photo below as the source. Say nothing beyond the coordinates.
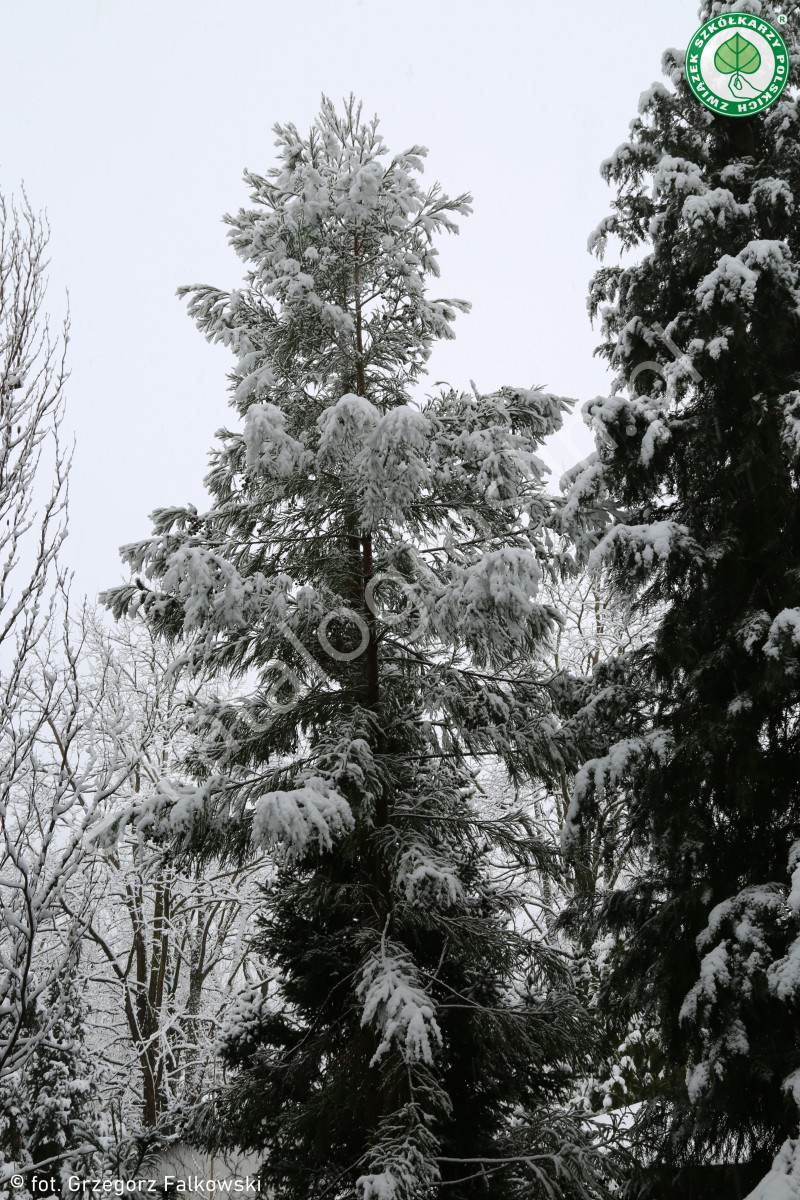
(367, 573)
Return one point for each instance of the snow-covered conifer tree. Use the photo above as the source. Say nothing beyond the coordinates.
(52, 1111)
(697, 471)
(63, 1084)
(368, 571)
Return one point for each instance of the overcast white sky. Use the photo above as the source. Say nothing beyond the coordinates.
(131, 122)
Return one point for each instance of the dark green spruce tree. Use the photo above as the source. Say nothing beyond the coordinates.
(696, 472)
(367, 576)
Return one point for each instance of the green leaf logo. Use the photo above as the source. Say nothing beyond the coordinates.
(737, 65)
(737, 57)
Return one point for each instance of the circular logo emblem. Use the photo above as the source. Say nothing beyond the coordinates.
(737, 64)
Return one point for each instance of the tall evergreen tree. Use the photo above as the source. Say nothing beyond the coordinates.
(697, 472)
(368, 572)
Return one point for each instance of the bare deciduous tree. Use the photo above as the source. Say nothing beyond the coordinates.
(51, 780)
(164, 942)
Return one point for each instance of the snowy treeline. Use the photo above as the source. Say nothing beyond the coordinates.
(116, 959)
(412, 823)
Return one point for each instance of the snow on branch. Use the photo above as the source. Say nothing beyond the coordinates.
(643, 546)
(601, 775)
(295, 819)
(398, 1006)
